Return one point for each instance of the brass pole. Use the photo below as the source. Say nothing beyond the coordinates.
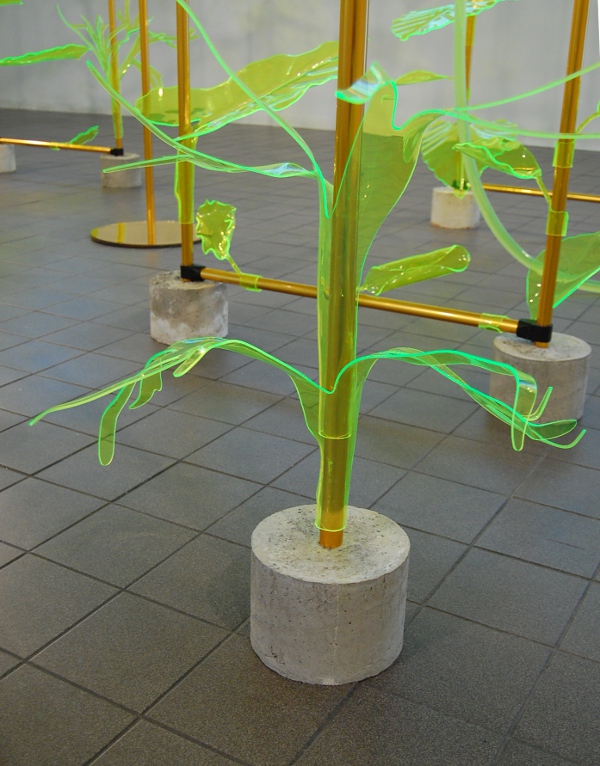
(114, 74)
(563, 161)
(457, 316)
(148, 171)
(337, 338)
(471, 20)
(56, 145)
(185, 170)
(538, 192)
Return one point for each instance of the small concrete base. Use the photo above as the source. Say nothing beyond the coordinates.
(180, 310)
(328, 616)
(451, 212)
(563, 365)
(8, 162)
(124, 179)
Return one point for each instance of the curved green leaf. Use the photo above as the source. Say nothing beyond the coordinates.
(71, 51)
(579, 260)
(503, 154)
(85, 136)
(215, 223)
(416, 268)
(422, 22)
(279, 81)
(420, 75)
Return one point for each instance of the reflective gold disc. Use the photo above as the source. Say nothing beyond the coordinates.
(136, 234)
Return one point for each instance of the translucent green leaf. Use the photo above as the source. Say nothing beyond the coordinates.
(422, 22)
(85, 136)
(579, 260)
(279, 81)
(215, 223)
(416, 268)
(108, 425)
(71, 51)
(11, 2)
(420, 75)
(502, 154)
(437, 151)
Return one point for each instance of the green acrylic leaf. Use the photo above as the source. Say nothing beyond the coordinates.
(71, 51)
(108, 424)
(579, 260)
(438, 154)
(279, 81)
(416, 268)
(85, 136)
(215, 224)
(503, 154)
(422, 22)
(11, 2)
(419, 76)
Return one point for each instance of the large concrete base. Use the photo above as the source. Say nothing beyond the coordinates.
(563, 365)
(451, 212)
(124, 179)
(8, 162)
(180, 310)
(328, 616)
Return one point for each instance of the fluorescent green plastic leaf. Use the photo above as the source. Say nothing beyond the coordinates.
(422, 22)
(420, 75)
(71, 51)
(579, 260)
(85, 136)
(108, 425)
(215, 223)
(11, 2)
(437, 150)
(416, 268)
(502, 154)
(279, 81)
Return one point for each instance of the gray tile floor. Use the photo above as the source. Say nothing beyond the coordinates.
(124, 590)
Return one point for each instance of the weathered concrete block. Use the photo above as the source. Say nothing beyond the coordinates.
(8, 162)
(124, 179)
(451, 212)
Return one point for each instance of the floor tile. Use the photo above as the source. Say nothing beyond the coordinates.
(36, 355)
(40, 600)
(439, 506)
(518, 754)
(8, 553)
(7, 662)
(380, 729)
(234, 703)
(93, 370)
(510, 595)
(130, 651)
(116, 545)
(543, 535)
(431, 559)
(565, 724)
(571, 487)
(33, 511)
(465, 670)
(29, 450)
(32, 395)
(208, 578)
(394, 443)
(418, 408)
(149, 745)
(46, 721)
(582, 636)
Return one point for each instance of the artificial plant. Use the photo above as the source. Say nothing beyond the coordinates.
(380, 164)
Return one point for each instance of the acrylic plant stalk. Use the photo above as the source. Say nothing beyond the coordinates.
(185, 170)
(461, 180)
(338, 290)
(563, 161)
(149, 170)
(114, 75)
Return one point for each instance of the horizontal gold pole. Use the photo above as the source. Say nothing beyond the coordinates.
(442, 313)
(57, 145)
(538, 192)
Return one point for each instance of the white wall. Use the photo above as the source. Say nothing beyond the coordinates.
(519, 46)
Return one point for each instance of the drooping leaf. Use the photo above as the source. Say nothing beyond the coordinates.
(419, 76)
(108, 425)
(416, 268)
(215, 223)
(579, 260)
(71, 51)
(422, 22)
(85, 136)
(503, 154)
(279, 81)
(437, 151)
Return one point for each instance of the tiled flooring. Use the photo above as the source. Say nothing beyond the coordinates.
(124, 590)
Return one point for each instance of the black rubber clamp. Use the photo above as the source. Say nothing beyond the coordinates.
(529, 330)
(192, 273)
(117, 152)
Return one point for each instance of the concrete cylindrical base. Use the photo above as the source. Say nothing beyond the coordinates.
(451, 212)
(8, 162)
(563, 365)
(328, 616)
(180, 310)
(124, 179)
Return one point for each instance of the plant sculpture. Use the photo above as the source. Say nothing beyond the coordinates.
(380, 164)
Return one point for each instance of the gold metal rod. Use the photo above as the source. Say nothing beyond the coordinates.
(562, 170)
(443, 313)
(470, 39)
(185, 170)
(114, 74)
(149, 171)
(57, 145)
(538, 192)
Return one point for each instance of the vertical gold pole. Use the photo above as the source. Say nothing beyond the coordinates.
(469, 49)
(114, 74)
(149, 174)
(340, 332)
(563, 161)
(185, 170)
